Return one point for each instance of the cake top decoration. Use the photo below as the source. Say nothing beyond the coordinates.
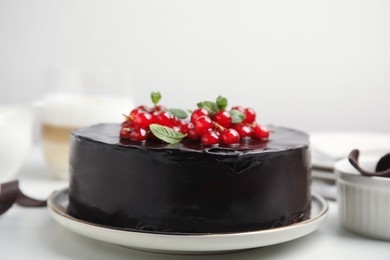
(211, 123)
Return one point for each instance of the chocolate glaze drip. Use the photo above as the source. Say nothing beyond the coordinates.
(187, 187)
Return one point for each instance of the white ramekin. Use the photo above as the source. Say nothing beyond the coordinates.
(363, 202)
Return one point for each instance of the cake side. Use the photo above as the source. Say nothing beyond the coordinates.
(187, 188)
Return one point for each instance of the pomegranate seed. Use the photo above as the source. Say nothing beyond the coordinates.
(260, 132)
(138, 134)
(239, 108)
(198, 113)
(164, 118)
(250, 115)
(203, 124)
(223, 118)
(230, 136)
(243, 130)
(210, 138)
(142, 119)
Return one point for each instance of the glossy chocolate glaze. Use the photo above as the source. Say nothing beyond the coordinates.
(187, 187)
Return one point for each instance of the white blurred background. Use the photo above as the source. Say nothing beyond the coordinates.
(313, 65)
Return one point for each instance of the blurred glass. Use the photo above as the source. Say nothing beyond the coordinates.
(80, 98)
(16, 128)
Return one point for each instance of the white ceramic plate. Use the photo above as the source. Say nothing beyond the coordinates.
(186, 243)
(323, 174)
(329, 147)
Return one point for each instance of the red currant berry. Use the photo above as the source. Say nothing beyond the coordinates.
(223, 118)
(154, 115)
(230, 136)
(142, 119)
(159, 108)
(198, 113)
(176, 128)
(151, 136)
(164, 118)
(135, 112)
(144, 108)
(177, 121)
(250, 115)
(210, 138)
(124, 132)
(127, 123)
(243, 130)
(239, 108)
(260, 132)
(203, 124)
(185, 127)
(138, 134)
(192, 134)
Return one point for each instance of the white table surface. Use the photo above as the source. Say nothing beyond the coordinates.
(31, 233)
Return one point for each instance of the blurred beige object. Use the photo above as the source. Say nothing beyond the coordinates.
(55, 141)
(16, 128)
(364, 202)
(65, 112)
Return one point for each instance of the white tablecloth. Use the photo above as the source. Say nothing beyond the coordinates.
(32, 234)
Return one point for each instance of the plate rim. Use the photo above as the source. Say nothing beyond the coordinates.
(323, 174)
(62, 217)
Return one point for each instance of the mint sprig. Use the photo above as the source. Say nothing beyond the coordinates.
(155, 96)
(177, 112)
(166, 134)
(237, 116)
(221, 102)
(210, 106)
(213, 107)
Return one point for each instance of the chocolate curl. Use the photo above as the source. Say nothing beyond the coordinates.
(10, 194)
(382, 169)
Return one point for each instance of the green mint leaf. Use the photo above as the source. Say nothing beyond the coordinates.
(237, 116)
(156, 96)
(177, 112)
(210, 106)
(222, 103)
(166, 134)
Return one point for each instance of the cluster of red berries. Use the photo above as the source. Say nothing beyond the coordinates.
(219, 127)
(136, 127)
(209, 128)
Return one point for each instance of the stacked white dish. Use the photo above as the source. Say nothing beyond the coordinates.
(329, 147)
(363, 201)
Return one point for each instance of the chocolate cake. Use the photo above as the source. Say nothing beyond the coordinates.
(188, 187)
